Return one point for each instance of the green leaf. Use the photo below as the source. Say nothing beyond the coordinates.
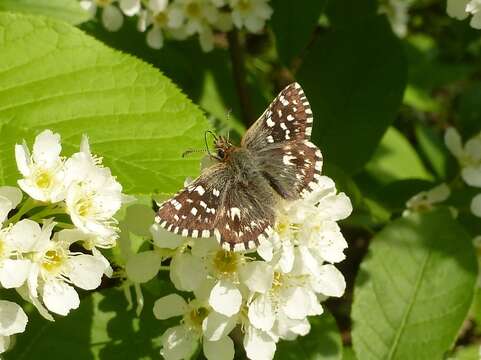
(343, 13)
(470, 111)
(54, 76)
(395, 159)
(433, 148)
(293, 24)
(103, 327)
(414, 289)
(322, 343)
(354, 78)
(66, 10)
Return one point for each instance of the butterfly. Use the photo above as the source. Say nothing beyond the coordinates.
(235, 198)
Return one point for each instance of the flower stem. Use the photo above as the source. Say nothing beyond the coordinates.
(239, 72)
(42, 214)
(28, 205)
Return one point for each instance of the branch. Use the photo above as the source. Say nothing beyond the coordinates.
(239, 73)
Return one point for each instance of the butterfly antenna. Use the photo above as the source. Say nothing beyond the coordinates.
(206, 144)
(190, 151)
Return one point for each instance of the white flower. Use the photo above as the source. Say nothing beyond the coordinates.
(200, 17)
(199, 323)
(130, 7)
(55, 267)
(160, 18)
(250, 13)
(259, 345)
(13, 320)
(207, 264)
(309, 223)
(10, 197)
(397, 13)
(476, 205)
(461, 9)
(42, 170)
(93, 194)
(469, 155)
(112, 17)
(426, 199)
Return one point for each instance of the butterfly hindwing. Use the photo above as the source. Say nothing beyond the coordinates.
(291, 168)
(246, 216)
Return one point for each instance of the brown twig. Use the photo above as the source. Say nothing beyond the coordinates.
(239, 72)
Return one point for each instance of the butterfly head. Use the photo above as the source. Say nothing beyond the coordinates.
(223, 148)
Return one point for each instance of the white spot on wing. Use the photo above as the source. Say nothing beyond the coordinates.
(195, 233)
(185, 232)
(193, 211)
(269, 122)
(235, 212)
(200, 190)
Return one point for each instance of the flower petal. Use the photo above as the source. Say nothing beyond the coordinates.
(143, 266)
(130, 7)
(86, 271)
(222, 349)
(258, 344)
(169, 306)
(112, 18)
(46, 149)
(476, 205)
(178, 343)
(257, 276)
(225, 298)
(4, 343)
(472, 175)
(154, 38)
(14, 273)
(216, 326)
(13, 319)
(22, 157)
(457, 10)
(452, 139)
(165, 239)
(24, 236)
(11, 193)
(60, 297)
(261, 312)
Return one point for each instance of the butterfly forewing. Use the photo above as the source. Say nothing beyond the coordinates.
(288, 118)
(192, 212)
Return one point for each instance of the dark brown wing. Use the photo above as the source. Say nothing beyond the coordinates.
(288, 118)
(239, 215)
(280, 142)
(291, 168)
(192, 211)
(246, 216)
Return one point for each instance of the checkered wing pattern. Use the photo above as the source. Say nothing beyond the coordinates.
(280, 140)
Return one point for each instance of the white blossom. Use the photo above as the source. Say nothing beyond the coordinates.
(199, 323)
(309, 223)
(251, 14)
(426, 199)
(111, 16)
(13, 320)
(93, 194)
(461, 9)
(159, 18)
(55, 267)
(42, 171)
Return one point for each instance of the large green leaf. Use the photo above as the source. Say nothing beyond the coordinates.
(322, 343)
(103, 327)
(54, 76)
(66, 10)
(395, 159)
(414, 289)
(354, 77)
(293, 23)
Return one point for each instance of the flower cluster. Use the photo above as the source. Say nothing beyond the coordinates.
(50, 242)
(469, 158)
(267, 295)
(180, 19)
(461, 9)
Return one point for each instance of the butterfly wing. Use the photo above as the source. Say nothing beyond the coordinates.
(246, 216)
(192, 211)
(279, 140)
(240, 215)
(288, 118)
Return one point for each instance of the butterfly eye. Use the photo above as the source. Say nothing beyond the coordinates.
(220, 153)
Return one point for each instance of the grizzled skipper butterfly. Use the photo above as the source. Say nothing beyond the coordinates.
(235, 198)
